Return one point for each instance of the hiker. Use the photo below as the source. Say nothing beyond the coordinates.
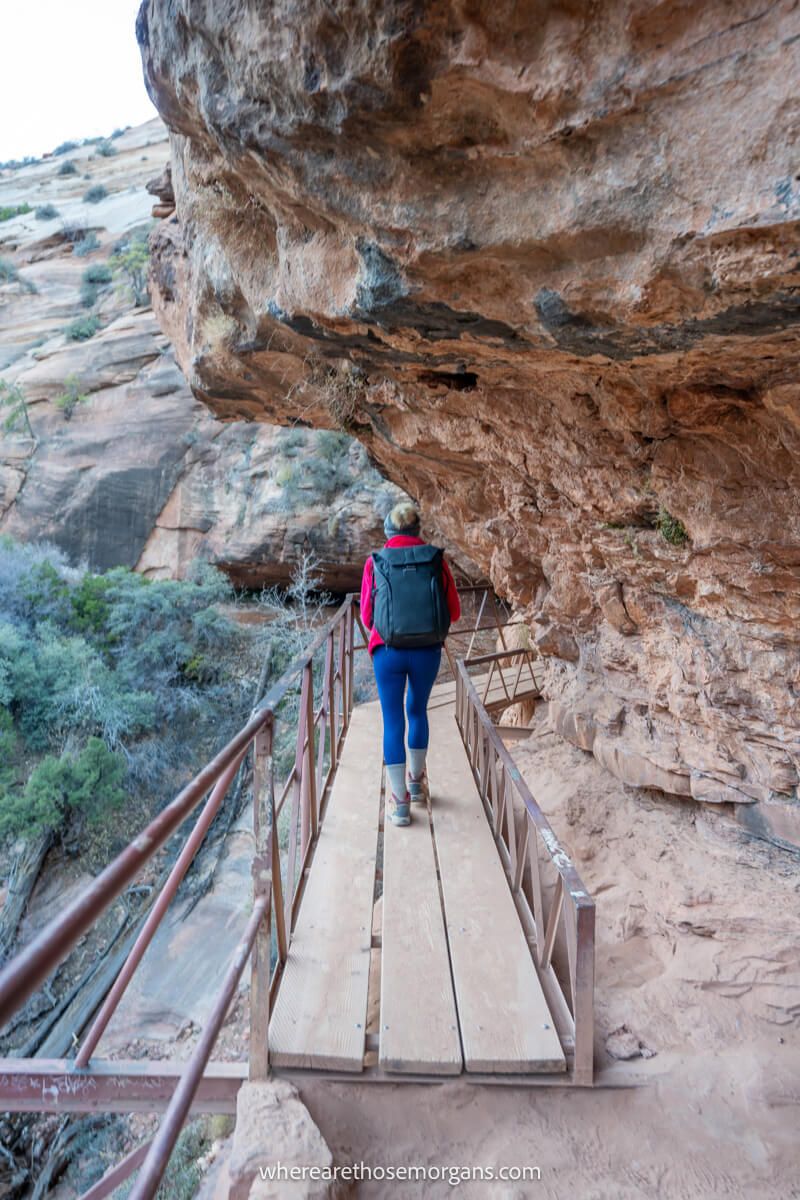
(408, 600)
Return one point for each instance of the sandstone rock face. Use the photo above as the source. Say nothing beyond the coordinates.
(138, 472)
(542, 259)
(273, 1127)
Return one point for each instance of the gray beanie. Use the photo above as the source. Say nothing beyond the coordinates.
(391, 530)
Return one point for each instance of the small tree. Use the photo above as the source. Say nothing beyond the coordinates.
(71, 397)
(12, 399)
(131, 264)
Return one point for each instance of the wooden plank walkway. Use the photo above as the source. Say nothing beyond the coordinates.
(458, 987)
(320, 1013)
(418, 1022)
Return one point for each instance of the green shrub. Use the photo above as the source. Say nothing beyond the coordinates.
(88, 295)
(83, 787)
(106, 150)
(153, 671)
(10, 274)
(91, 608)
(13, 210)
(71, 397)
(119, 132)
(671, 529)
(65, 147)
(82, 329)
(98, 273)
(8, 750)
(95, 194)
(86, 245)
(130, 264)
(291, 440)
(15, 406)
(46, 212)
(68, 168)
(332, 445)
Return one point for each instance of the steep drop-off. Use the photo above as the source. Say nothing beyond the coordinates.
(542, 259)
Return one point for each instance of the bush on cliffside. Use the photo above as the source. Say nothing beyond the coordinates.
(95, 194)
(75, 790)
(130, 264)
(86, 245)
(14, 417)
(97, 273)
(82, 329)
(109, 684)
(13, 210)
(671, 528)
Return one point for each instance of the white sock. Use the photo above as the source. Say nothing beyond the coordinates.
(397, 780)
(416, 762)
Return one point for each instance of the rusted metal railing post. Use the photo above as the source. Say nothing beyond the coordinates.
(306, 726)
(311, 765)
(262, 867)
(149, 1178)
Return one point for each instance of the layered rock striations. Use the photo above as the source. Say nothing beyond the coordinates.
(116, 461)
(542, 259)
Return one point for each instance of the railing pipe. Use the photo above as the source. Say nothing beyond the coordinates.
(157, 912)
(263, 870)
(149, 1178)
(34, 963)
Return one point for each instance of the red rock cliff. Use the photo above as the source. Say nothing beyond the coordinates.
(542, 258)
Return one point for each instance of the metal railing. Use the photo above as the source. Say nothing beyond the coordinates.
(327, 669)
(315, 693)
(485, 617)
(556, 910)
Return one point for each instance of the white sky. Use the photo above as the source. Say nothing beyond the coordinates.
(70, 69)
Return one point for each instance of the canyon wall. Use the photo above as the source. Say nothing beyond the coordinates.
(117, 462)
(542, 260)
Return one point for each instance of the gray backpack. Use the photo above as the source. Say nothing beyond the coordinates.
(409, 606)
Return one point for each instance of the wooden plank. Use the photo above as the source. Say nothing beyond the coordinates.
(418, 1022)
(319, 1018)
(505, 1023)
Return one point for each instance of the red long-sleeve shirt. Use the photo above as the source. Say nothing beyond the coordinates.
(450, 590)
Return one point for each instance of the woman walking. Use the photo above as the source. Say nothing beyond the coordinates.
(408, 600)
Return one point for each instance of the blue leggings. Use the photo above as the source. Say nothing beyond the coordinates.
(392, 668)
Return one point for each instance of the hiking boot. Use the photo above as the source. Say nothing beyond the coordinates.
(418, 789)
(399, 810)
